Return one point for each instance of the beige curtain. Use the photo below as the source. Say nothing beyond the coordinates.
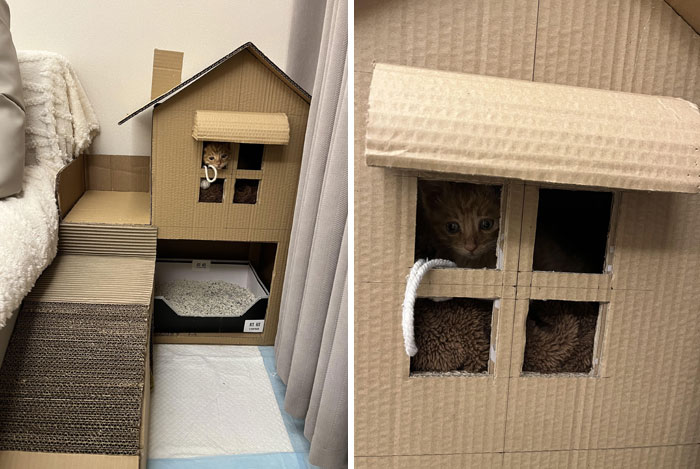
(311, 348)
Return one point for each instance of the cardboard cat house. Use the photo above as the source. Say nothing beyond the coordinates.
(247, 103)
(634, 157)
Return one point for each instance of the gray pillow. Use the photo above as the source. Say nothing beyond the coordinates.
(11, 111)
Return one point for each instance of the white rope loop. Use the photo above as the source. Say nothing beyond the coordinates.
(206, 173)
(418, 271)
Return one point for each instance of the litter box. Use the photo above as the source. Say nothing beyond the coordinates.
(167, 318)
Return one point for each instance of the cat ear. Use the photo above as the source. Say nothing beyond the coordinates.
(431, 192)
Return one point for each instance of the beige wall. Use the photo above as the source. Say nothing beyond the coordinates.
(111, 44)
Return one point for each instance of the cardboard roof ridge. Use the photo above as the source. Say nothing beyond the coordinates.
(249, 46)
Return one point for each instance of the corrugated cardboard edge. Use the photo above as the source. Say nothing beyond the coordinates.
(167, 71)
(27, 460)
(421, 119)
(689, 10)
(70, 185)
(241, 127)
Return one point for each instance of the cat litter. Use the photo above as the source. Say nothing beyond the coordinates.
(206, 298)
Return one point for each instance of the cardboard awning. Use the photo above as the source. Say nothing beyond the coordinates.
(484, 126)
(241, 127)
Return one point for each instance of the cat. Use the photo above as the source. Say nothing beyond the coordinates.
(216, 154)
(459, 222)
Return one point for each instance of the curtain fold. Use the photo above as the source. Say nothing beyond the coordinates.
(311, 343)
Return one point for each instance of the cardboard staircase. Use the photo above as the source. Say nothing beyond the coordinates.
(74, 386)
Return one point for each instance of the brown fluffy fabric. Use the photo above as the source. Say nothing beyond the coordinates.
(246, 192)
(454, 335)
(213, 194)
(560, 337)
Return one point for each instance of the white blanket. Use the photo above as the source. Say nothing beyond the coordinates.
(60, 124)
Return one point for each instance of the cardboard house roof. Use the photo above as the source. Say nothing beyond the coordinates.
(446, 122)
(250, 47)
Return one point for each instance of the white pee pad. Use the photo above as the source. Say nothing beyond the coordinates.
(210, 400)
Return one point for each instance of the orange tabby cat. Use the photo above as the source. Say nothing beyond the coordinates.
(459, 222)
(216, 154)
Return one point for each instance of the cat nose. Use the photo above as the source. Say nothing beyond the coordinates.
(470, 247)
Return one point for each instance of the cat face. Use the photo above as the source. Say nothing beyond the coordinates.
(464, 219)
(216, 154)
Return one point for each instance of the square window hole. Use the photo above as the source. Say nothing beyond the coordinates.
(560, 336)
(212, 194)
(572, 231)
(250, 156)
(459, 222)
(246, 191)
(217, 154)
(452, 335)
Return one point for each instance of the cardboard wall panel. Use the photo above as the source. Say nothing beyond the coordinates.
(398, 414)
(678, 456)
(486, 37)
(638, 400)
(642, 409)
(24, 460)
(630, 45)
(70, 185)
(483, 461)
(657, 233)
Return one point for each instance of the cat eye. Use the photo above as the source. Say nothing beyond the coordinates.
(453, 227)
(486, 224)
(211, 158)
(224, 156)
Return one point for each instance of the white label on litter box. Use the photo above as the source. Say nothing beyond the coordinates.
(255, 325)
(201, 264)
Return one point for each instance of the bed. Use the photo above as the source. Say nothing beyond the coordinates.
(60, 124)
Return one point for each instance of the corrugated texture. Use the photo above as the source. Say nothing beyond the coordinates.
(108, 240)
(167, 71)
(470, 124)
(641, 46)
(648, 393)
(248, 47)
(654, 457)
(241, 85)
(70, 184)
(124, 173)
(241, 127)
(73, 378)
(482, 461)
(99, 279)
(23, 460)
(395, 414)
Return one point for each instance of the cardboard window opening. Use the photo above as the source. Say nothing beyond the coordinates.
(241, 127)
(447, 122)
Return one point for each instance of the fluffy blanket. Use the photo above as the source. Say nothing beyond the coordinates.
(60, 124)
